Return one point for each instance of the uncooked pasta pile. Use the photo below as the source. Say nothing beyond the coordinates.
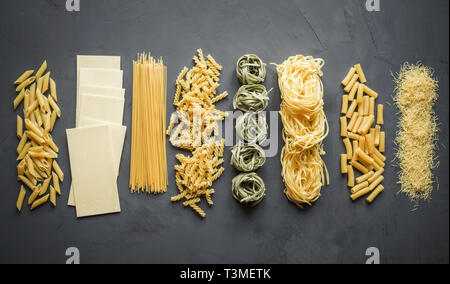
(305, 128)
(416, 94)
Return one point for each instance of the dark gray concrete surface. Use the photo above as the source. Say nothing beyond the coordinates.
(151, 229)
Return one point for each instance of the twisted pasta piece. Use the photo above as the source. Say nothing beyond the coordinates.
(247, 158)
(252, 127)
(251, 98)
(305, 128)
(248, 188)
(250, 69)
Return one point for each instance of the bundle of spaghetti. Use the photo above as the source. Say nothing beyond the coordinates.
(416, 94)
(148, 167)
(197, 130)
(305, 128)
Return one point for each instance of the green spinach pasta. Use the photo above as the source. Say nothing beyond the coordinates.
(247, 158)
(250, 70)
(251, 98)
(248, 188)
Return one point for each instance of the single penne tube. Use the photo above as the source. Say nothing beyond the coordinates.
(376, 182)
(27, 182)
(357, 124)
(39, 154)
(33, 92)
(53, 154)
(33, 127)
(361, 75)
(360, 94)
(352, 81)
(364, 157)
(54, 106)
(370, 144)
(25, 83)
(53, 196)
(40, 99)
(50, 166)
(375, 193)
(20, 198)
(45, 185)
(371, 106)
(368, 124)
(47, 104)
(39, 202)
(33, 118)
(36, 138)
(49, 141)
(351, 109)
(343, 120)
(23, 77)
(344, 107)
(349, 76)
(360, 193)
(19, 98)
(55, 179)
(350, 176)
(352, 121)
(348, 148)
(41, 70)
(359, 186)
(30, 167)
(344, 163)
(382, 141)
(52, 120)
(45, 82)
(21, 168)
(38, 116)
(39, 83)
(364, 177)
(22, 142)
(354, 136)
(355, 164)
(26, 103)
(380, 119)
(53, 90)
(377, 135)
(32, 107)
(19, 127)
(47, 124)
(58, 171)
(24, 151)
(30, 177)
(370, 92)
(36, 149)
(351, 95)
(376, 175)
(366, 104)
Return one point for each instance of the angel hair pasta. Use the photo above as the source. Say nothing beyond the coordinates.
(250, 69)
(247, 158)
(252, 127)
(305, 128)
(248, 188)
(251, 98)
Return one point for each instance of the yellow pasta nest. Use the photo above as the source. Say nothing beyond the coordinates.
(197, 130)
(305, 128)
(416, 93)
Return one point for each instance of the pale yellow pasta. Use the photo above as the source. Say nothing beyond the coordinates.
(53, 196)
(46, 121)
(33, 105)
(370, 92)
(349, 76)
(355, 147)
(344, 107)
(344, 164)
(361, 75)
(364, 177)
(354, 136)
(348, 148)
(19, 98)
(56, 183)
(20, 198)
(359, 186)
(351, 95)
(33, 127)
(355, 164)
(360, 193)
(366, 104)
(351, 109)
(53, 90)
(350, 176)
(25, 84)
(49, 141)
(343, 120)
(39, 83)
(41, 70)
(24, 150)
(376, 182)
(357, 124)
(377, 135)
(34, 194)
(58, 171)
(380, 119)
(52, 120)
(45, 82)
(352, 121)
(370, 143)
(19, 127)
(376, 175)
(54, 106)
(361, 108)
(36, 138)
(32, 91)
(349, 87)
(39, 202)
(37, 115)
(375, 193)
(40, 99)
(360, 94)
(382, 141)
(23, 77)
(367, 125)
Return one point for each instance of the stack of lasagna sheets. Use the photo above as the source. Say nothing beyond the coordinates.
(95, 145)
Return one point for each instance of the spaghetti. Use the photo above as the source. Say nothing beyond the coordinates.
(305, 128)
(148, 166)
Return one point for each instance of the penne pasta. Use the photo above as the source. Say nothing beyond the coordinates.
(54, 106)
(21, 168)
(20, 198)
(58, 171)
(27, 182)
(53, 90)
(31, 108)
(33, 127)
(19, 98)
(45, 185)
(49, 141)
(52, 120)
(37, 114)
(23, 77)
(39, 202)
(24, 151)
(53, 196)
(33, 92)
(36, 138)
(56, 183)
(25, 84)
(41, 70)
(45, 82)
(19, 127)
(40, 99)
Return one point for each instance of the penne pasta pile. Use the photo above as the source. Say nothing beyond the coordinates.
(364, 144)
(37, 152)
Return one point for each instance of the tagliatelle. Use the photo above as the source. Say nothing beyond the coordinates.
(305, 128)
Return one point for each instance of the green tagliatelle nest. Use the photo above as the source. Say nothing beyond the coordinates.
(247, 158)
(252, 127)
(250, 69)
(248, 188)
(251, 98)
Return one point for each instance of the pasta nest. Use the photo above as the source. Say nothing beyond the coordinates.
(250, 69)
(247, 158)
(251, 98)
(248, 188)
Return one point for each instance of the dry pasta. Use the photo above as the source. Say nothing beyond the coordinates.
(248, 188)
(250, 69)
